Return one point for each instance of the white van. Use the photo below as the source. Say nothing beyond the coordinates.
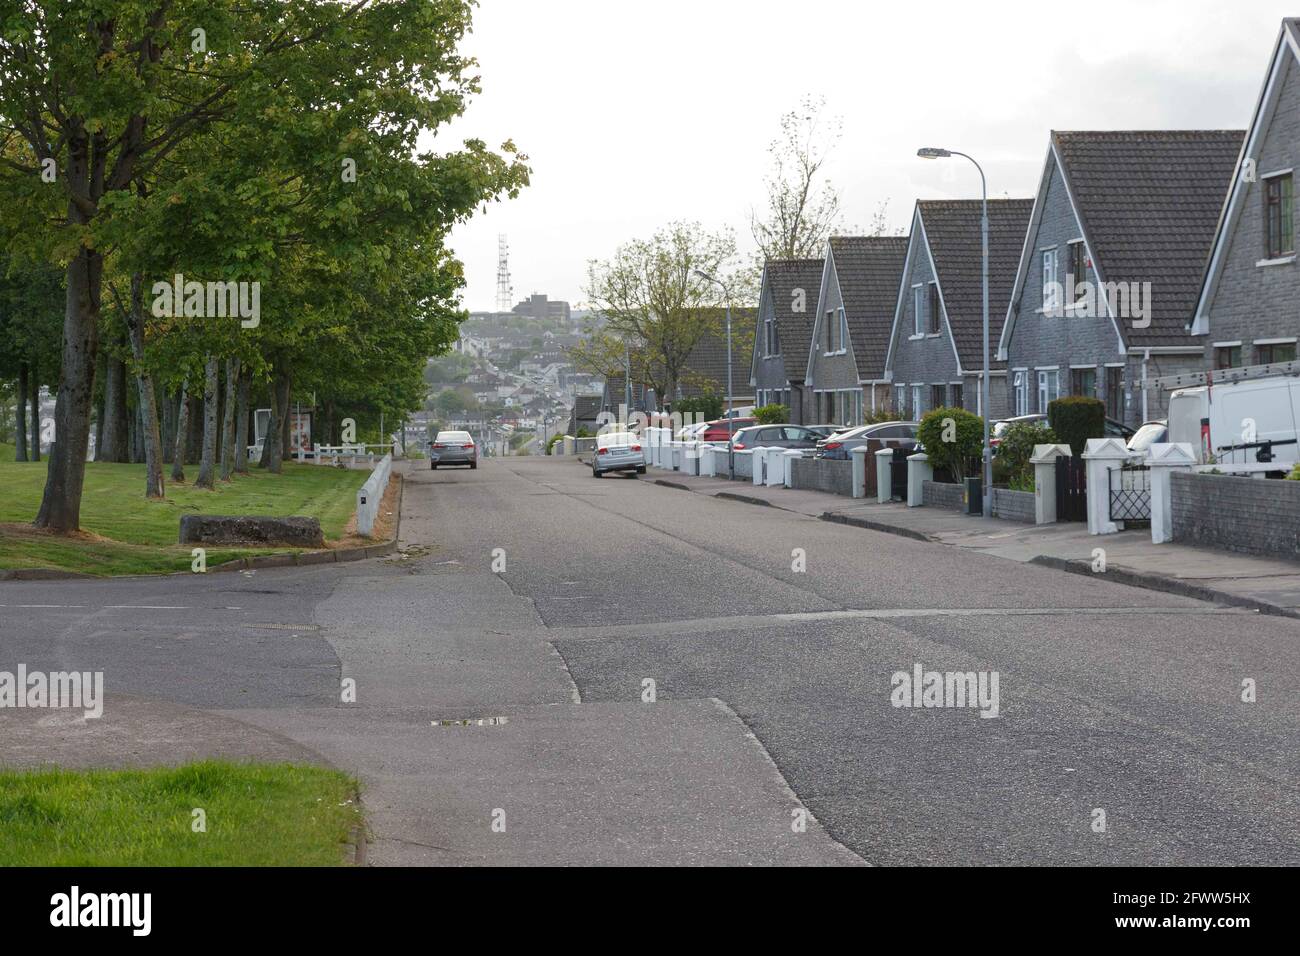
(1241, 417)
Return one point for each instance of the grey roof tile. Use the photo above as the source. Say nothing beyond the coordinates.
(869, 269)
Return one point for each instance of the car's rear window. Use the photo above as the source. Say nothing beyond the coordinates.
(454, 436)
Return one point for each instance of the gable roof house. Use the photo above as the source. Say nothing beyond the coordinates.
(850, 336)
(1111, 265)
(787, 306)
(1246, 313)
(936, 347)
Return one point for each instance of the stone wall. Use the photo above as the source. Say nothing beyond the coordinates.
(1014, 505)
(823, 474)
(1250, 515)
(937, 494)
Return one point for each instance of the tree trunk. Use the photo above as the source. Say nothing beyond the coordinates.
(182, 433)
(211, 396)
(241, 424)
(168, 427)
(194, 443)
(61, 503)
(34, 401)
(286, 422)
(115, 441)
(20, 416)
(273, 450)
(153, 452)
(228, 419)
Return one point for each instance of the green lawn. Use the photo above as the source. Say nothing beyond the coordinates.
(130, 535)
(256, 815)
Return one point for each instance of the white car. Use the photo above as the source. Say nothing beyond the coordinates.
(617, 451)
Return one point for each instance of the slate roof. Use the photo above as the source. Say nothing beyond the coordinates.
(869, 269)
(794, 329)
(1150, 203)
(952, 228)
(616, 393)
(585, 409)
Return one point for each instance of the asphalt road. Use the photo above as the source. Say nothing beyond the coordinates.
(541, 601)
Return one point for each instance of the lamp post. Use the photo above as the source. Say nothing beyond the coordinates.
(731, 420)
(986, 471)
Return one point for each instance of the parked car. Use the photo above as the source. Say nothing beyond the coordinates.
(453, 448)
(1150, 433)
(825, 431)
(840, 446)
(1242, 417)
(717, 430)
(617, 451)
(691, 432)
(1113, 428)
(776, 436)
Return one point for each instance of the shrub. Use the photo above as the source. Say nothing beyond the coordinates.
(960, 454)
(708, 406)
(1076, 419)
(1017, 447)
(772, 415)
(550, 443)
(1295, 473)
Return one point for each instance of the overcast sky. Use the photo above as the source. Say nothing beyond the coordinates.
(635, 114)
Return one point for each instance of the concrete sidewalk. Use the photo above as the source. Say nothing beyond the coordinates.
(1271, 586)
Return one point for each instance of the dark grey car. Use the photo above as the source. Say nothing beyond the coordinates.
(776, 436)
(453, 448)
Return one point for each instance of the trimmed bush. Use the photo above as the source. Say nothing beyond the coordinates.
(955, 448)
(772, 415)
(708, 405)
(1076, 419)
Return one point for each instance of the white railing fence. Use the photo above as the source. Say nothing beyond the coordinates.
(371, 494)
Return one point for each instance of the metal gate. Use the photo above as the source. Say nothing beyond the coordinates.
(898, 474)
(1130, 493)
(1071, 489)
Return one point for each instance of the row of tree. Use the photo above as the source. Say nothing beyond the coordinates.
(147, 146)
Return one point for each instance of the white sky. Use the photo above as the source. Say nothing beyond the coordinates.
(635, 114)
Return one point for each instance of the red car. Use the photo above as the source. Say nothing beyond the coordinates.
(717, 431)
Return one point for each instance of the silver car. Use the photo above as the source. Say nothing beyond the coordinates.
(453, 448)
(617, 451)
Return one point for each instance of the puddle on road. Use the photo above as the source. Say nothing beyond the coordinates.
(472, 722)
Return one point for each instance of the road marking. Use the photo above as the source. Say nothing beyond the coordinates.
(29, 606)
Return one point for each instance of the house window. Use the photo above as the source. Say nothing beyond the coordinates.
(900, 401)
(1083, 381)
(1278, 233)
(955, 399)
(1078, 270)
(918, 310)
(844, 330)
(932, 308)
(1049, 388)
(1276, 352)
(918, 401)
(826, 331)
(1020, 384)
(938, 396)
(770, 344)
(1227, 356)
(1050, 287)
(1115, 393)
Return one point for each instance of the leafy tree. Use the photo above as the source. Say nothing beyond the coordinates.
(1016, 447)
(216, 132)
(654, 300)
(707, 406)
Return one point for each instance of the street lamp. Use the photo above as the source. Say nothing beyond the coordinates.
(731, 420)
(986, 471)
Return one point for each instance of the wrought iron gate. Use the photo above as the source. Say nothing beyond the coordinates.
(1130, 493)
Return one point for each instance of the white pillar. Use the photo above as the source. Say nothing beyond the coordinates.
(1102, 455)
(919, 471)
(1044, 461)
(859, 456)
(884, 476)
(706, 460)
(776, 466)
(1164, 459)
(787, 466)
(759, 461)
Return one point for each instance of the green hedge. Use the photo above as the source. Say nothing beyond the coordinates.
(772, 415)
(956, 449)
(1077, 418)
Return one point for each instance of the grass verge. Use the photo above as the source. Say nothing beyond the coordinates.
(256, 815)
(126, 534)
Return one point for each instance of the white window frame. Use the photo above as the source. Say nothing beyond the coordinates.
(1020, 388)
(844, 332)
(1051, 278)
(918, 310)
(918, 401)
